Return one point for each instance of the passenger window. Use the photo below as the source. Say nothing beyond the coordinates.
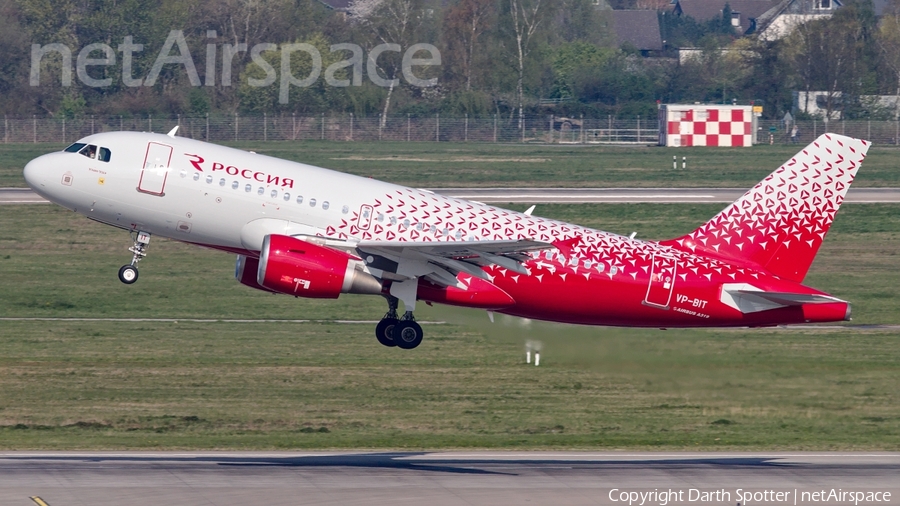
(273, 193)
(247, 188)
(299, 199)
(325, 205)
(234, 185)
(89, 151)
(74, 148)
(287, 196)
(345, 209)
(105, 155)
(260, 191)
(312, 202)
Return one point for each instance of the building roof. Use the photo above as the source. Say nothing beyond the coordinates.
(800, 9)
(703, 10)
(640, 28)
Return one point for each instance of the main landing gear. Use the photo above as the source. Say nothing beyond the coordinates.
(128, 274)
(402, 332)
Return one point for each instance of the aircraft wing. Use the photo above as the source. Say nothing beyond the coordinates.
(459, 248)
(441, 262)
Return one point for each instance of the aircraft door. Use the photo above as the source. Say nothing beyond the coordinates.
(365, 217)
(155, 169)
(662, 281)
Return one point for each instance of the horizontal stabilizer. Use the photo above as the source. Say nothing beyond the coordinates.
(792, 299)
(747, 298)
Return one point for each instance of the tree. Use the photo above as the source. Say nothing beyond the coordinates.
(769, 78)
(582, 20)
(13, 63)
(572, 60)
(464, 24)
(888, 39)
(394, 22)
(526, 17)
(834, 55)
(318, 96)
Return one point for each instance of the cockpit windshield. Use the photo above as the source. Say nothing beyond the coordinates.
(90, 151)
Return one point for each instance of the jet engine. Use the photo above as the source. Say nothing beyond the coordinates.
(304, 269)
(245, 272)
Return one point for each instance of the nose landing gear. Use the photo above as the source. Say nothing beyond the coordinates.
(128, 274)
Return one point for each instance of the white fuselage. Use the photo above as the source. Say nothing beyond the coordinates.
(208, 198)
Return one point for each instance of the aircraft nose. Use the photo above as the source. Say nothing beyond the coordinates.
(35, 172)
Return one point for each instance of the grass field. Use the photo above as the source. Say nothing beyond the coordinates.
(186, 384)
(434, 165)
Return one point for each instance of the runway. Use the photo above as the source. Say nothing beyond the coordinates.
(572, 195)
(443, 479)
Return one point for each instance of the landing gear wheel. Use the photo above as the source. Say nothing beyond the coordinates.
(128, 274)
(384, 331)
(407, 334)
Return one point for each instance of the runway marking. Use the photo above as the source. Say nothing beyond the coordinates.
(37, 500)
(504, 456)
(499, 456)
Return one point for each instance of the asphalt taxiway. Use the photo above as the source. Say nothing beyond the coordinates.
(439, 479)
(572, 195)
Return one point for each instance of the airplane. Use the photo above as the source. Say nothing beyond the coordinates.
(311, 232)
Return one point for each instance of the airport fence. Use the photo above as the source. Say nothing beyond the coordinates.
(409, 128)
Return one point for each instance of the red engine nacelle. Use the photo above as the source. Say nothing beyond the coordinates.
(245, 271)
(304, 269)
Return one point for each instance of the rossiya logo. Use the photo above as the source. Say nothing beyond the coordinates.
(250, 174)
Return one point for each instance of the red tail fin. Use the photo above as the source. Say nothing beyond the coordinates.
(779, 224)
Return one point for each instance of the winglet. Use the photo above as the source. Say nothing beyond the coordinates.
(530, 210)
(172, 132)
